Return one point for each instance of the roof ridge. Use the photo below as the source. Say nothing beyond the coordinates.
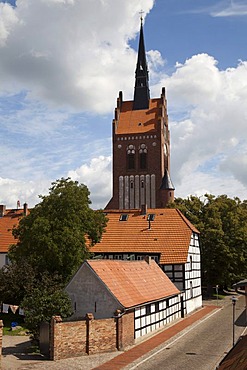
(185, 219)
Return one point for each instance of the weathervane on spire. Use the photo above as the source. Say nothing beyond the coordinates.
(141, 12)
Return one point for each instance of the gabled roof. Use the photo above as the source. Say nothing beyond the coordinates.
(134, 282)
(169, 235)
(10, 219)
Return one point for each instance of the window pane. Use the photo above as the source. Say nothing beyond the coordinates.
(131, 161)
(143, 161)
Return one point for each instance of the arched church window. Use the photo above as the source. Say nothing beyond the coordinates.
(143, 156)
(130, 157)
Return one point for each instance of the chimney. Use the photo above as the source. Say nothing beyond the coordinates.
(2, 210)
(25, 209)
(143, 209)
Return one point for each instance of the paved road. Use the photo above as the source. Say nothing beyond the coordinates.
(202, 347)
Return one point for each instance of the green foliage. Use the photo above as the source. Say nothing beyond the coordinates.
(53, 236)
(16, 280)
(52, 242)
(41, 295)
(46, 298)
(222, 223)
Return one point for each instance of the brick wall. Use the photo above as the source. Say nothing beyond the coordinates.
(125, 331)
(1, 339)
(78, 338)
(102, 336)
(68, 339)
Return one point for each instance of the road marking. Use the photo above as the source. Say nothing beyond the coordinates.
(175, 340)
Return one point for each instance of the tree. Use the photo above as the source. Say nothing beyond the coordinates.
(52, 238)
(46, 298)
(16, 280)
(222, 223)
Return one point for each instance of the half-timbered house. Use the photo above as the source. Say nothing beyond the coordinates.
(139, 290)
(163, 234)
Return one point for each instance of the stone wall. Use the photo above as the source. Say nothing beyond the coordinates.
(1, 340)
(78, 338)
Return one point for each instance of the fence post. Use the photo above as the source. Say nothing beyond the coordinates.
(119, 331)
(1, 340)
(54, 340)
(89, 318)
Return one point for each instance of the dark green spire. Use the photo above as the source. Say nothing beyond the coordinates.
(141, 95)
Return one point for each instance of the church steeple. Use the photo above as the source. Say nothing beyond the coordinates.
(141, 94)
(141, 146)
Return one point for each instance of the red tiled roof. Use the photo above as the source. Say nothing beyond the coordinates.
(134, 282)
(237, 357)
(129, 120)
(169, 235)
(10, 219)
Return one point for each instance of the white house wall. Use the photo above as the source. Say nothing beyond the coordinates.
(193, 294)
(3, 259)
(153, 316)
(89, 295)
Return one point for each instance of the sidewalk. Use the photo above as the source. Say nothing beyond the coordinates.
(113, 360)
(148, 345)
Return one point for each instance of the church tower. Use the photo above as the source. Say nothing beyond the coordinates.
(141, 146)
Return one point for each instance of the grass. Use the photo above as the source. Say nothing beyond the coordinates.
(8, 318)
(220, 296)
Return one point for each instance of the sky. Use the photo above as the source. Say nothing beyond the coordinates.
(63, 62)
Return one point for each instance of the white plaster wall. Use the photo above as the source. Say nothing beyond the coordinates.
(193, 304)
(2, 259)
(90, 295)
(193, 275)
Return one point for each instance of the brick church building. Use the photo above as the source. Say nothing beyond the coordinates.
(141, 146)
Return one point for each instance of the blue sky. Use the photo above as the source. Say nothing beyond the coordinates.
(62, 65)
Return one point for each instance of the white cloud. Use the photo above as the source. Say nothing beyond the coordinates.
(61, 66)
(207, 140)
(233, 8)
(70, 53)
(223, 8)
(8, 19)
(24, 191)
(97, 175)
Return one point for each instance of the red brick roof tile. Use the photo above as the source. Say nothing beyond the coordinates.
(134, 282)
(10, 219)
(169, 235)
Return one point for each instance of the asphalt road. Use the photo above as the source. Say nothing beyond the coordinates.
(200, 348)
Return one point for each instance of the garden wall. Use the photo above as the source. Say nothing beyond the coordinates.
(78, 338)
(1, 340)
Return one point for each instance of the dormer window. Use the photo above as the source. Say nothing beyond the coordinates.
(151, 217)
(123, 217)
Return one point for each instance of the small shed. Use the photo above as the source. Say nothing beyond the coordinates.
(140, 289)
